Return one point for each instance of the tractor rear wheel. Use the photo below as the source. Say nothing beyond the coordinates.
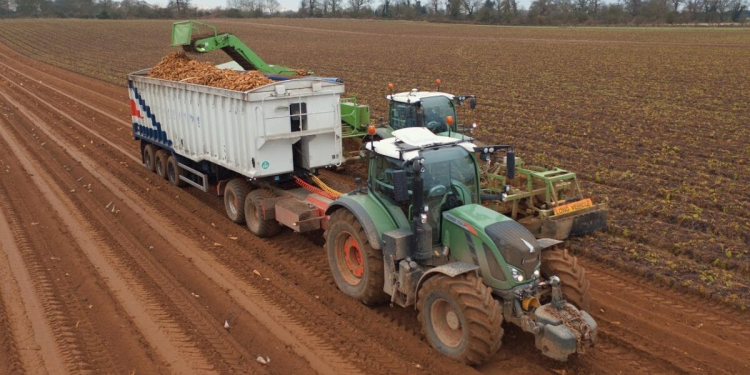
(558, 262)
(257, 224)
(161, 163)
(149, 157)
(234, 199)
(460, 318)
(356, 266)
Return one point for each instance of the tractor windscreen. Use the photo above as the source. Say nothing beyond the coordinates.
(450, 180)
(435, 110)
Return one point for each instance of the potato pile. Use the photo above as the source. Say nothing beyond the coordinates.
(176, 66)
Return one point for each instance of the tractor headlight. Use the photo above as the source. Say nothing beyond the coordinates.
(423, 217)
(536, 274)
(517, 275)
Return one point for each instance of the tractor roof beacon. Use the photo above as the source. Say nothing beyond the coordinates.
(418, 235)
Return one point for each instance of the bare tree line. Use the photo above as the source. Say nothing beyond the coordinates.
(540, 12)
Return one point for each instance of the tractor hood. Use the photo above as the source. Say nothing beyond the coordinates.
(517, 246)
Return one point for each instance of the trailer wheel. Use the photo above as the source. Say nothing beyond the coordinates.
(257, 224)
(174, 172)
(356, 266)
(575, 285)
(149, 157)
(460, 318)
(234, 199)
(160, 164)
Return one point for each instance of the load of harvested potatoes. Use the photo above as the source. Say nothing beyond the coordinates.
(176, 66)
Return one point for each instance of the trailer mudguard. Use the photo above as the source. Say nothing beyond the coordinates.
(374, 218)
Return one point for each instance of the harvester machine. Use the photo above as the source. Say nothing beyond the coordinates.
(548, 202)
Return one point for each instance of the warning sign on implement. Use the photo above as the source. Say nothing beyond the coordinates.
(575, 206)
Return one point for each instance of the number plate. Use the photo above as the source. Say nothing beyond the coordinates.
(575, 206)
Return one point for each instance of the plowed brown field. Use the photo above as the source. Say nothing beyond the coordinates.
(106, 269)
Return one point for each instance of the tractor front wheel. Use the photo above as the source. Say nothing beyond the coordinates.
(575, 285)
(460, 319)
(356, 266)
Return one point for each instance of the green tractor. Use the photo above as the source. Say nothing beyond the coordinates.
(548, 202)
(418, 235)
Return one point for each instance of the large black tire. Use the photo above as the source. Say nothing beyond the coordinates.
(174, 172)
(149, 157)
(575, 285)
(160, 163)
(460, 318)
(259, 226)
(234, 199)
(356, 266)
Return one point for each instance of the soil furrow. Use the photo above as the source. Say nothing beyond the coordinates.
(172, 345)
(368, 356)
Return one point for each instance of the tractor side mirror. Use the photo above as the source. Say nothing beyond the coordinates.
(510, 163)
(400, 188)
(473, 103)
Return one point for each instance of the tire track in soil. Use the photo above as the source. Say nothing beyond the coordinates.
(696, 338)
(619, 348)
(328, 364)
(165, 335)
(368, 355)
(20, 351)
(79, 345)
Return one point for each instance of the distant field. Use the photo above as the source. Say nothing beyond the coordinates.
(656, 120)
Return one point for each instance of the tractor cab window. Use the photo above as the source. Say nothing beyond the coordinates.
(435, 109)
(381, 170)
(450, 180)
(402, 115)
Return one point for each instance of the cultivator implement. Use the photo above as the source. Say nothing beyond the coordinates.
(548, 202)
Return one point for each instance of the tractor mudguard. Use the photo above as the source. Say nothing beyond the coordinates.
(451, 269)
(547, 242)
(365, 216)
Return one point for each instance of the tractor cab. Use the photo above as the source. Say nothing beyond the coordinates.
(434, 110)
(446, 176)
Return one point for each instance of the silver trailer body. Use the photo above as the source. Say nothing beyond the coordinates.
(257, 133)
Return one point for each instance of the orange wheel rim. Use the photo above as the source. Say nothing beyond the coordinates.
(353, 256)
(349, 259)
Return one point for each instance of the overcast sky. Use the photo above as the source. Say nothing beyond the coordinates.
(286, 4)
